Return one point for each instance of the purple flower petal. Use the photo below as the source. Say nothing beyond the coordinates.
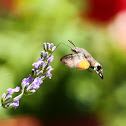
(27, 81)
(37, 64)
(48, 74)
(15, 103)
(30, 79)
(36, 83)
(42, 54)
(48, 46)
(50, 59)
(11, 91)
(51, 45)
(53, 48)
(3, 95)
(45, 46)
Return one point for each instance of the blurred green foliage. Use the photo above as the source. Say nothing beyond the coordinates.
(70, 91)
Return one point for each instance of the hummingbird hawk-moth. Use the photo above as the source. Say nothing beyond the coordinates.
(81, 59)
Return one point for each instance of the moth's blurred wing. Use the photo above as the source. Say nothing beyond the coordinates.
(75, 61)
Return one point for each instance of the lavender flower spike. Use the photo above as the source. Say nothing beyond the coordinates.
(40, 72)
(30, 85)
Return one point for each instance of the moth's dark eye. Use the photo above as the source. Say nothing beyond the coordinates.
(98, 67)
(73, 50)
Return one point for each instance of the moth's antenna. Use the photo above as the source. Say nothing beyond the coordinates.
(71, 43)
(59, 44)
(62, 43)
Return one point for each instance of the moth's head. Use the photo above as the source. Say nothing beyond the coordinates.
(98, 69)
(75, 50)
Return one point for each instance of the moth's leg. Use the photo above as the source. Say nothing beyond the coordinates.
(89, 70)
